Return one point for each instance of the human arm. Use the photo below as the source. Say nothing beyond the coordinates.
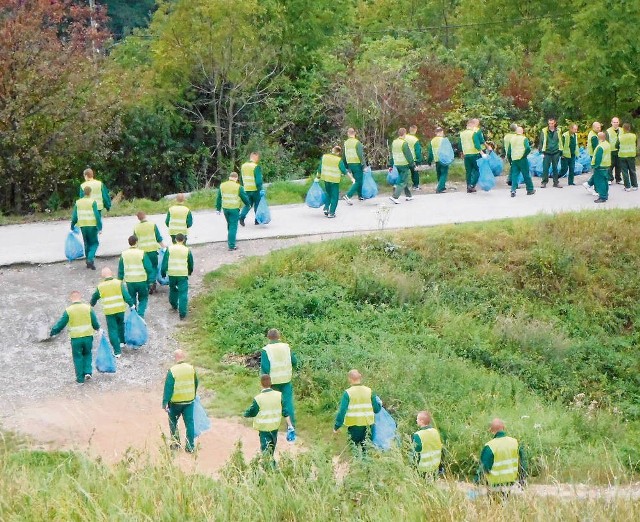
(98, 216)
(106, 199)
(167, 219)
(417, 449)
(527, 147)
(295, 363)
(376, 403)
(509, 151)
(121, 269)
(430, 156)
(94, 320)
(342, 166)
(407, 154)
(418, 149)
(190, 262)
(126, 295)
(189, 220)
(478, 140)
(165, 264)
(252, 410)
(74, 216)
(95, 298)
(522, 465)
(265, 364)
(168, 390)
(342, 411)
(243, 196)
(594, 142)
(598, 158)
(59, 326)
(158, 236)
(486, 463)
(219, 201)
(146, 262)
(196, 382)
(360, 153)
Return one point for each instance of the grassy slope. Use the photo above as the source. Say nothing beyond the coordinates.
(515, 318)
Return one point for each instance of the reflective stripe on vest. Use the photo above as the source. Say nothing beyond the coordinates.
(545, 134)
(110, 291)
(399, 159)
(133, 260)
(270, 413)
(566, 145)
(435, 147)
(411, 141)
(351, 150)
(177, 220)
(184, 386)
(84, 211)
(248, 176)
(628, 145)
(466, 142)
(279, 355)
(79, 320)
(360, 410)
(517, 147)
(606, 154)
(330, 168)
(145, 231)
(96, 191)
(507, 140)
(431, 450)
(614, 138)
(591, 135)
(178, 256)
(505, 461)
(230, 191)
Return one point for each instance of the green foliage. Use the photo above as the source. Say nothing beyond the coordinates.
(125, 15)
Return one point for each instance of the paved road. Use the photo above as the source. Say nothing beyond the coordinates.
(44, 242)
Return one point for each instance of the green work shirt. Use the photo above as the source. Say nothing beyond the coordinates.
(148, 267)
(125, 294)
(96, 213)
(254, 409)
(265, 365)
(344, 406)
(106, 199)
(165, 263)
(62, 322)
(241, 194)
(486, 460)
(168, 387)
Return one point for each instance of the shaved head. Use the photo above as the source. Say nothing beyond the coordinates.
(597, 126)
(75, 296)
(88, 173)
(179, 355)
(496, 426)
(233, 176)
(602, 136)
(351, 132)
(423, 418)
(354, 376)
(273, 334)
(141, 216)
(402, 131)
(265, 381)
(180, 198)
(106, 272)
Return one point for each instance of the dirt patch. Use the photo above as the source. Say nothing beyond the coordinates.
(248, 361)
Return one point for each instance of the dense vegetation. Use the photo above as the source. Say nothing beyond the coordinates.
(170, 98)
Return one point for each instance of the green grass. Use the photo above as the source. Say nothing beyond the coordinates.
(532, 320)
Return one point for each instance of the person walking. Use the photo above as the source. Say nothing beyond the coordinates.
(180, 388)
(442, 171)
(134, 268)
(570, 152)
(231, 195)
(179, 219)
(87, 216)
(600, 163)
(613, 136)
(401, 159)
(416, 153)
(178, 264)
(115, 298)
(99, 192)
(267, 411)
(82, 322)
(506, 142)
(330, 170)
(427, 446)
(149, 241)
(278, 361)
(357, 410)
(251, 174)
(550, 143)
(472, 145)
(502, 460)
(592, 143)
(353, 158)
(519, 149)
(627, 157)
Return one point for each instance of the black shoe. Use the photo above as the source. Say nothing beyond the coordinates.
(571, 184)
(600, 200)
(441, 191)
(530, 192)
(509, 182)
(255, 222)
(557, 185)
(331, 216)
(174, 446)
(241, 221)
(543, 184)
(326, 212)
(152, 289)
(233, 248)
(360, 198)
(513, 194)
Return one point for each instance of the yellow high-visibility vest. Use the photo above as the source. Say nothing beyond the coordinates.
(79, 320)
(110, 291)
(230, 191)
(606, 154)
(351, 150)
(518, 147)
(628, 145)
(133, 260)
(411, 141)
(466, 141)
(270, 414)
(177, 220)
(505, 461)
(184, 385)
(360, 410)
(84, 211)
(545, 136)
(507, 140)
(96, 191)
(566, 144)
(614, 139)
(279, 355)
(330, 168)
(397, 152)
(145, 231)
(178, 257)
(435, 147)
(431, 453)
(247, 170)
(589, 145)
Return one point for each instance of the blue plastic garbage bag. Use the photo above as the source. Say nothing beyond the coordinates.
(486, 181)
(445, 152)
(369, 185)
(393, 176)
(73, 246)
(585, 160)
(201, 420)
(135, 330)
(495, 162)
(263, 214)
(577, 167)
(535, 163)
(384, 430)
(105, 360)
(315, 196)
(159, 278)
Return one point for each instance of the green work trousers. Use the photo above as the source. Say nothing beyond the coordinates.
(356, 170)
(140, 294)
(153, 259)
(268, 441)
(615, 166)
(568, 164)
(115, 327)
(471, 169)
(254, 198)
(173, 239)
(231, 215)
(518, 167)
(333, 194)
(601, 182)
(550, 159)
(91, 242)
(415, 177)
(442, 173)
(179, 294)
(358, 436)
(176, 410)
(81, 352)
(628, 168)
(403, 182)
(286, 389)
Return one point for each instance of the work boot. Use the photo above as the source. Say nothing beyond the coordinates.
(331, 216)
(530, 192)
(543, 184)
(233, 248)
(241, 221)
(255, 222)
(471, 189)
(600, 200)
(513, 194)
(360, 198)
(557, 185)
(441, 191)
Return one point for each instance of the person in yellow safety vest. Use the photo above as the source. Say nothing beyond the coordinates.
(519, 148)
(506, 141)
(502, 461)
(149, 241)
(627, 158)
(357, 410)
(330, 170)
(402, 159)
(267, 411)
(592, 143)
(230, 198)
(115, 298)
(180, 388)
(251, 174)
(178, 264)
(442, 171)
(353, 158)
(613, 136)
(278, 361)
(87, 216)
(179, 219)
(570, 151)
(472, 145)
(134, 268)
(427, 446)
(416, 152)
(82, 322)
(600, 163)
(99, 192)
(550, 144)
